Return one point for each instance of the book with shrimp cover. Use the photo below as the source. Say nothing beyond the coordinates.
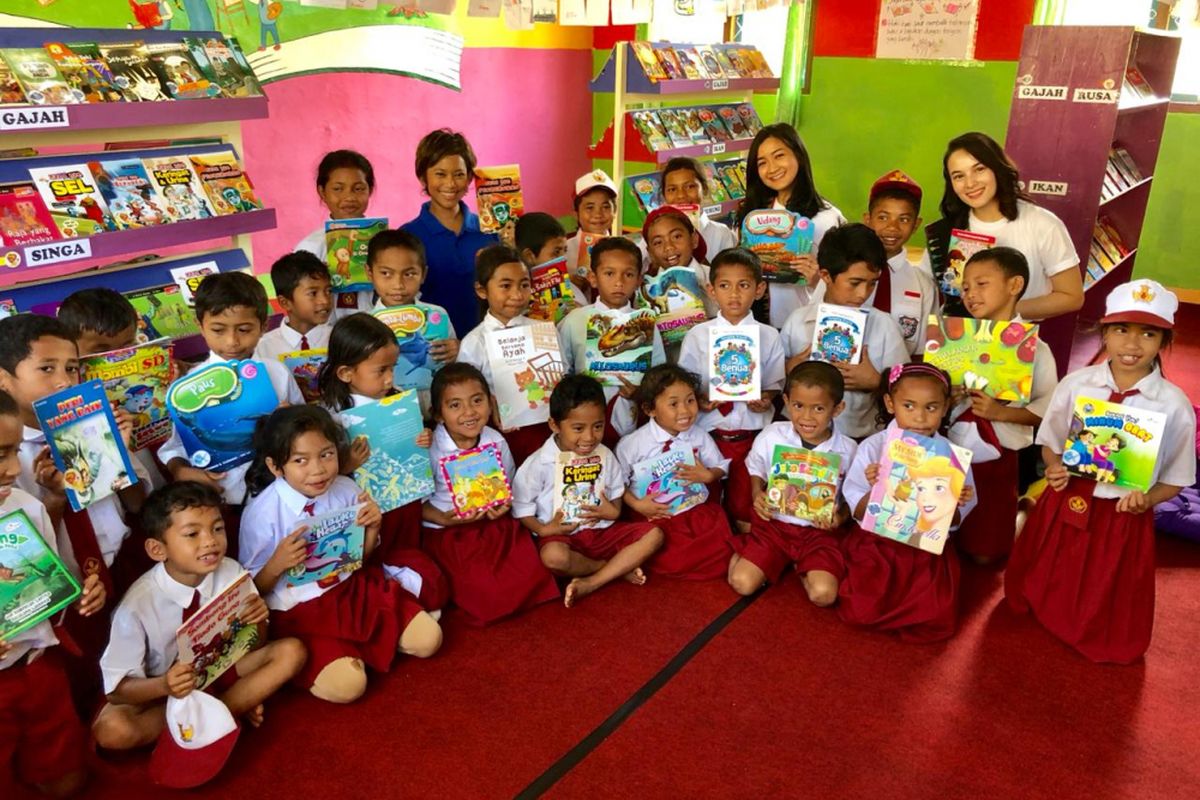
(778, 237)
(398, 471)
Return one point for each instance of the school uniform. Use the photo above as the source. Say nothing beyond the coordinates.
(695, 541)
(492, 565)
(345, 303)
(912, 299)
(285, 339)
(891, 586)
(314, 243)
(716, 235)
(1085, 570)
(785, 298)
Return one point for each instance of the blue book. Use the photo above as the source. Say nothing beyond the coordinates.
(655, 478)
(335, 548)
(416, 327)
(215, 408)
(398, 471)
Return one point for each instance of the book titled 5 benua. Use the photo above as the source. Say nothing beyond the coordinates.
(736, 364)
(215, 638)
(1113, 443)
(34, 584)
(838, 334)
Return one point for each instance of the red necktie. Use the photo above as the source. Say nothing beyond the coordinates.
(309, 508)
(303, 341)
(883, 290)
(192, 607)
(725, 408)
(667, 446)
(1080, 491)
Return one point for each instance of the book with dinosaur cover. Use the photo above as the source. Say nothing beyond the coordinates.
(416, 327)
(619, 345)
(180, 187)
(778, 237)
(34, 583)
(527, 364)
(346, 243)
(227, 185)
(498, 195)
(838, 334)
(553, 294)
(334, 542)
(476, 479)
(127, 190)
(40, 77)
(214, 409)
(993, 357)
(24, 218)
(136, 379)
(398, 471)
(1113, 443)
(215, 638)
(735, 361)
(803, 483)
(656, 479)
(73, 199)
(577, 484)
(677, 300)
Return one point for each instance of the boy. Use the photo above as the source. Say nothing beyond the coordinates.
(904, 291)
(594, 549)
(850, 260)
(186, 537)
(595, 204)
(101, 320)
(306, 296)
(540, 238)
(736, 282)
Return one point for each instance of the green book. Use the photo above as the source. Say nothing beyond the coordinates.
(34, 584)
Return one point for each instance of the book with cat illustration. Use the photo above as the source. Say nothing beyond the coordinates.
(527, 364)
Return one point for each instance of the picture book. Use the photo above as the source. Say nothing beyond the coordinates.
(583, 259)
(11, 93)
(749, 118)
(838, 334)
(689, 61)
(498, 195)
(34, 583)
(553, 294)
(40, 77)
(644, 52)
(214, 638)
(527, 364)
(85, 83)
(335, 549)
(227, 186)
(619, 345)
(1137, 80)
(577, 484)
(214, 409)
(397, 472)
(708, 59)
(733, 176)
(24, 218)
(677, 300)
(249, 81)
(803, 483)
(199, 56)
(476, 479)
(676, 123)
(73, 199)
(305, 366)
(738, 58)
(1113, 443)
(8, 307)
(963, 245)
(916, 494)
(416, 328)
(162, 312)
(714, 128)
(230, 72)
(656, 479)
(992, 357)
(735, 361)
(778, 238)
(180, 187)
(189, 278)
(650, 126)
(136, 379)
(346, 243)
(716, 189)
(648, 189)
(733, 122)
(129, 63)
(85, 443)
(173, 65)
(669, 62)
(96, 73)
(727, 65)
(693, 125)
(131, 197)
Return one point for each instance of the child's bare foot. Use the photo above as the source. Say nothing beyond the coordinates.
(255, 716)
(637, 577)
(577, 590)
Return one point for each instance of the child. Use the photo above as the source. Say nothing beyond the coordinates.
(851, 258)
(696, 540)
(493, 568)
(539, 238)
(672, 241)
(593, 547)
(813, 396)
(737, 282)
(890, 585)
(685, 182)
(993, 282)
(595, 206)
(1084, 564)
(904, 291)
(141, 665)
(302, 286)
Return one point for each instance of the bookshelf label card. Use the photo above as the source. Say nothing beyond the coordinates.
(34, 118)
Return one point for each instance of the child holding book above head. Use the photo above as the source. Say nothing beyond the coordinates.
(685, 182)
(851, 260)
(695, 527)
(572, 505)
(812, 399)
(890, 585)
(595, 204)
(493, 567)
(672, 241)
(737, 281)
(1084, 563)
(305, 294)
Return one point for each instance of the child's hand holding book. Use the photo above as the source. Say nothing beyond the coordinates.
(360, 451)
(556, 526)
(180, 680)
(255, 611)
(444, 351)
(605, 509)
(92, 596)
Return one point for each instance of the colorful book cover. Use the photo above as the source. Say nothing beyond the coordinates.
(644, 52)
(131, 197)
(650, 126)
(24, 218)
(527, 364)
(227, 185)
(1141, 86)
(8, 307)
(189, 278)
(714, 128)
(583, 260)
(498, 196)
(96, 71)
(73, 199)
(963, 245)
(670, 62)
(749, 118)
(778, 238)
(577, 485)
(727, 65)
(40, 77)
(215, 638)
(553, 294)
(716, 188)
(476, 479)
(335, 549)
(34, 583)
(733, 122)
(1113, 443)
(708, 59)
(648, 189)
(676, 123)
(803, 483)
(416, 327)
(235, 78)
(179, 186)
(619, 345)
(656, 479)
(733, 176)
(677, 300)
(249, 81)
(200, 58)
(738, 56)
(398, 471)
(162, 312)
(85, 443)
(993, 357)
(694, 125)
(735, 361)
(129, 63)
(305, 366)
(346, 242)
(172, 63)
(916, 494)
(215, 408)
(838, 334)
(136, 379)
(11, 93)
(689, 60)
(85, 82)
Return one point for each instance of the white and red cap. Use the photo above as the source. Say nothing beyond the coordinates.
(595, 179)
(197, 741)
(1144, 302)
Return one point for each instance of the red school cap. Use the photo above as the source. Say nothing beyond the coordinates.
(896, 179)
(701, 251)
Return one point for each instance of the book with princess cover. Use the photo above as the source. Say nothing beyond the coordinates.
(214, 638)
(803, 483)
(650, 126)
(735, 363)
(34, 583)
(993, 357)
(305, 366)
(136, 379)
(476, 479)
(73, 199)
(656, 479)
(779, 238)
(129, 63)
(398, 471)
(677, 300)
(963, 245)
(915, 497)
(24, 218)
(176, 70)
(162, 312)
(86, 83)
(644, 52)
(838, 334)
(346, 243)
(131, 197)
(215, 408)
(498, 196)
(40, 77)
(527, 364)
(85, 443)
(553, 294)
(180, 187)
(416, 327)
(1113, 443)
(96, 72)
(227, 185)
(577, 485)
(618, 344)
(334, 544)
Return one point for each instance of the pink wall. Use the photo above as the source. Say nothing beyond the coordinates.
(522, 106)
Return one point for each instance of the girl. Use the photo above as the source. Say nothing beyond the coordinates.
(684, 182)
(1084, 564)
(696, 541)
(672, 241)
(493, 567)
(779, 175)
(360, 617)
(890, 585)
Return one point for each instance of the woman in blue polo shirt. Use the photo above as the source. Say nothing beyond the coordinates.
(448, 229)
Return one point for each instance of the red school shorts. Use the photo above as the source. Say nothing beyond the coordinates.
(771, 545)
(601, 544)
(40, 736)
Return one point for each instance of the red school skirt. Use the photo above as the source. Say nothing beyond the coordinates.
(695, 543)
(493, 568)
(600, 544)
(773, 544)
(40, 735)
(989, 529)
(399, 546)
(736, 445)
(1093, 588)
(891, 586)
(524, 442)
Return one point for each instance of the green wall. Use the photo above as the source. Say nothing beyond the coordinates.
(1170, 243)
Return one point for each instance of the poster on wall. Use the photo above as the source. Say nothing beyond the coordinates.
(941, 31)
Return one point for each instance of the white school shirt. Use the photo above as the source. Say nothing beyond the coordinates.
(758, 460)
(717, 236)
(314, 243)
(1176, 463)
(914, 298)
(787, 297)
(142, 643)
(286, 339)
(40, 636)
(884, 348)
(1040, 236)
(652, 440)
(533, 486)
(443, 445)
(693, 356)
(233, 482)
(473, 348)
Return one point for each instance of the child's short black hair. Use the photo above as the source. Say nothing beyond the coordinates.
(817, 374)
(222, 291)
(1009, 260)
(535, 229)
(658, 379)
(20, 331)
(163, 502)
(616, 244)
(100, 310)
(849, 244)
(345, 159)
(491, 258)
(681, 163)
(354, 339)
(572, 392)
(276, 434)
(436, 145)
(452, 375)
(736, 257)
(395, 237)
(290, 269)
(895, 193)
(8, 405)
